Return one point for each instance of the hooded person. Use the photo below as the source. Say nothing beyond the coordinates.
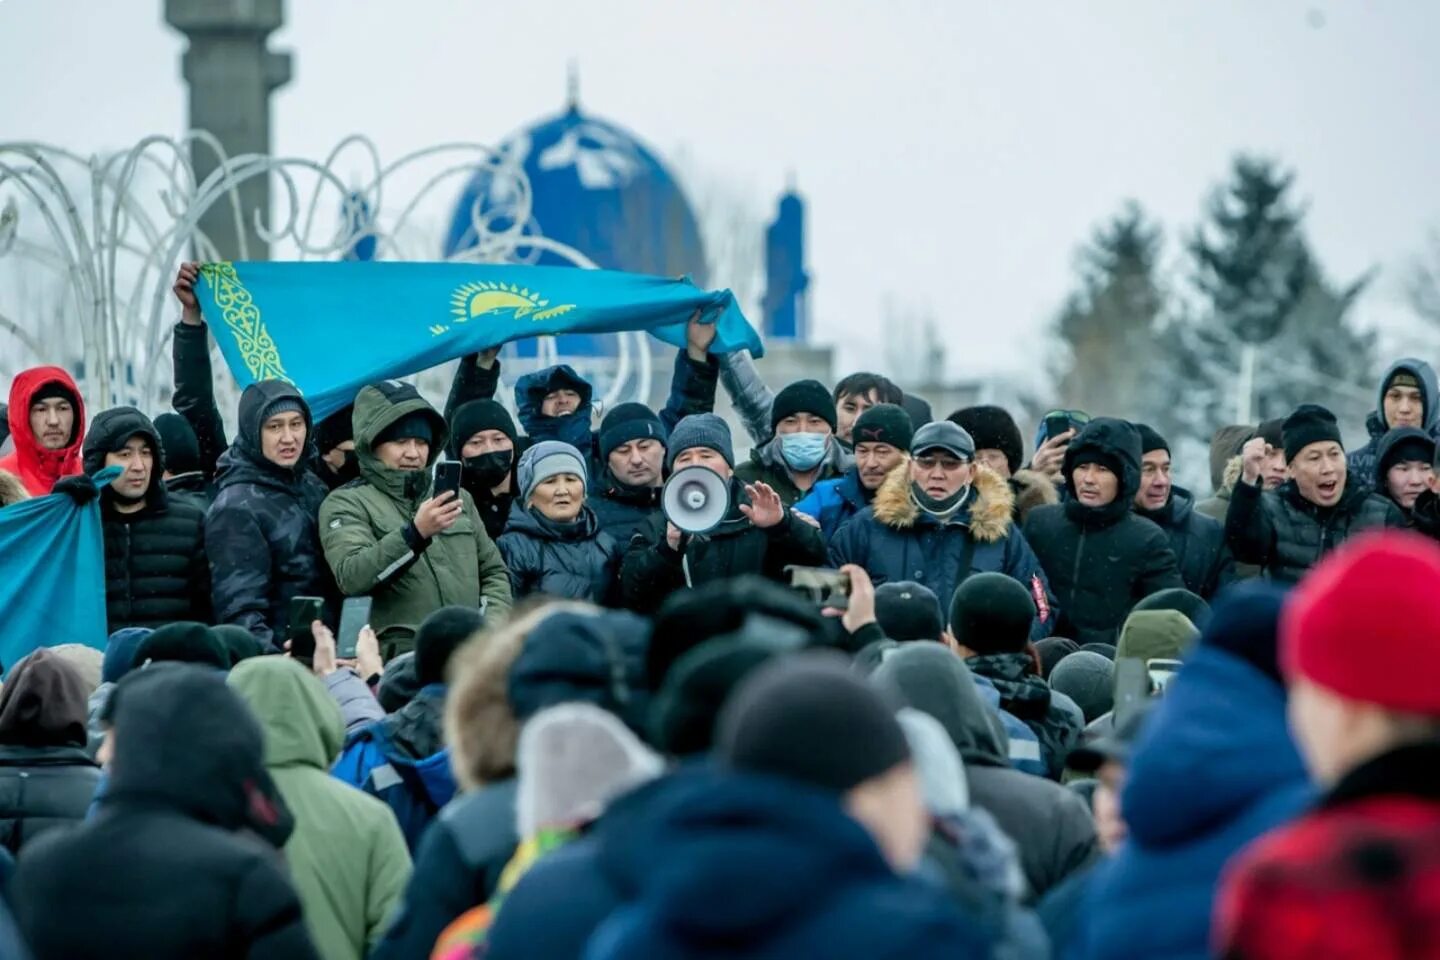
(346, 856)
(178, 833)
(1050, 824)
(1356, 874)
(806, 843)
(990, 620)
(1405, 467)
(940, 519)
(1408, 397)
(402, 758)
(156, 571)
(1197, 541)
(390, 538)
(262, 532)
(1100, 556)
(553, 543)
(1272, 474)
(1000, 446)
(1425, 514)
(804, 449)
(1286, 531)
(183, 472)
(483, 439)
(337, 464)
(757, 534)
(46, 415)
(47, 780)
(882, 436)
(1225, 444)
(1214, 768)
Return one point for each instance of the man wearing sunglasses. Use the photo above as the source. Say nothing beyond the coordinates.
(939, 518)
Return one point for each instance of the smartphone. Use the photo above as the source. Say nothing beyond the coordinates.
(826, 587)
(303, 612)
(1161, 672)
(1056, 424)
(354, 615)
(1132, 688)
(447, 477)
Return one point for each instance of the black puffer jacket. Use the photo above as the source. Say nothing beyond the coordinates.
(155, 566)
(42, 788)
(1101, 560)
(1197, 541)
(652, 571)
(576, 560)
(263, 529)
(621, 508)
(1285, 534)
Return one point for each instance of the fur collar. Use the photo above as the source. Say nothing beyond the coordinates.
(990, 503)
(1233, 469)
(11, 489)
(1032, 490)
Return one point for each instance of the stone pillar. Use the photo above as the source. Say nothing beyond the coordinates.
(231, 74)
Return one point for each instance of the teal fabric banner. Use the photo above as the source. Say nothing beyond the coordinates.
(332, 328)
(53, 587)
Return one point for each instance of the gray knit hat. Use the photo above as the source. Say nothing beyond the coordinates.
(700, 430)
(1088, 679)
(547, 459)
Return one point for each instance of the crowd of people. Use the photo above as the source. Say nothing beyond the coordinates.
(1059, 707)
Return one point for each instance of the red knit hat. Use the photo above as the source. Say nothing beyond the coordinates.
(1366, 623)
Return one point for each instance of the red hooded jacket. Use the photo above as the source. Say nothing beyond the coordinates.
(38, 468)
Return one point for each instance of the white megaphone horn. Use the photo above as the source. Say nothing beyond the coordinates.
(696, 500)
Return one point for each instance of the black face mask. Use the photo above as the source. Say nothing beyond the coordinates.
(489, 469)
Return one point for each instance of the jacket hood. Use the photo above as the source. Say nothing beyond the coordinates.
(376, 408)
(184, 740)
(572, 428)
(245, 461)
(1117, 440)
(1225, 446)
(533, 523)
(934, 679)
(301, 722)
(988, 513)
(1429, 393)
(44, 703)
(111, 430)
(1234, 470)
(1216, 744)
(37, 467)
(1387, 443)
(1156, 634)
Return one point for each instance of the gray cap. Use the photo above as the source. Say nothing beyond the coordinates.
(547, 459)
(943, 435)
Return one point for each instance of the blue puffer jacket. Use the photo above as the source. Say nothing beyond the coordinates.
(893, 540)
(1214, 769)
(833, 502)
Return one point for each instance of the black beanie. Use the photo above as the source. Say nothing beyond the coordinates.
(884, 423)
(807, 717)
(803, 396)
(627, 422)
(993, 428)
(1310, 423)
(184, 642)
(415, 425)
(1189, 605)
(239, 643)
(54, 390)
(335, 429)
(1150, 439)
(439, 636)
(1052, 650)
(682, 717)
(1273, 432)
(177, 439)
(992, 613)
(477, 415)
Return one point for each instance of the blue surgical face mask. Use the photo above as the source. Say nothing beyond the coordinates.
(804, 451)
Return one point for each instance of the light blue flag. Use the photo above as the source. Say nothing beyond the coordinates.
(332, 328)
(53, 587)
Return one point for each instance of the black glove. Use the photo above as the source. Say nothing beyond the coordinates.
(79, 488)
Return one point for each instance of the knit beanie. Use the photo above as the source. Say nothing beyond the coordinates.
(415, 425)
(1156, 635)
(284, 405)
(992, 613)
(700, 430)
(546, 459)
(54, 390)
(1273, 432)
(183, 642)
(906, 611)
(477, 416)
(1051, 651)
(1244, 623)
(682, 717)
(1195, 609)
(627, 422)
(439, 636)
(120, 652)
(1363, 623)
(178, 441)
(1310, 423)
(1150, 439)
(807, 717)
(1088, 679)
(803, 396)
(398, 684)
(992, 428)
(884, 423)
(1402, 377)
(239, 643)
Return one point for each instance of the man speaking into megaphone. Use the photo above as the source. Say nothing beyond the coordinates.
(736, 528)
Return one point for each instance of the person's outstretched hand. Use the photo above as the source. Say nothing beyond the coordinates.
(324, 662)
(698, 337)
(184, 290)
(764, 509)
(79, 488)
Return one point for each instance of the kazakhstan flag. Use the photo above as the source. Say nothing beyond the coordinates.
(332, 328)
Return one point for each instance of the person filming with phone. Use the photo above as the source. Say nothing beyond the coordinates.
(394, 536)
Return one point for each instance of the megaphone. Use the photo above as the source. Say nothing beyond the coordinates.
(696, 499)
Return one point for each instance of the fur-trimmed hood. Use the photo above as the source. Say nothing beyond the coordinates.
(989, 508)
(11, 489)
(1233, 469)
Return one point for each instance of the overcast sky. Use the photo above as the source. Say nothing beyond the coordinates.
(953, 153)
